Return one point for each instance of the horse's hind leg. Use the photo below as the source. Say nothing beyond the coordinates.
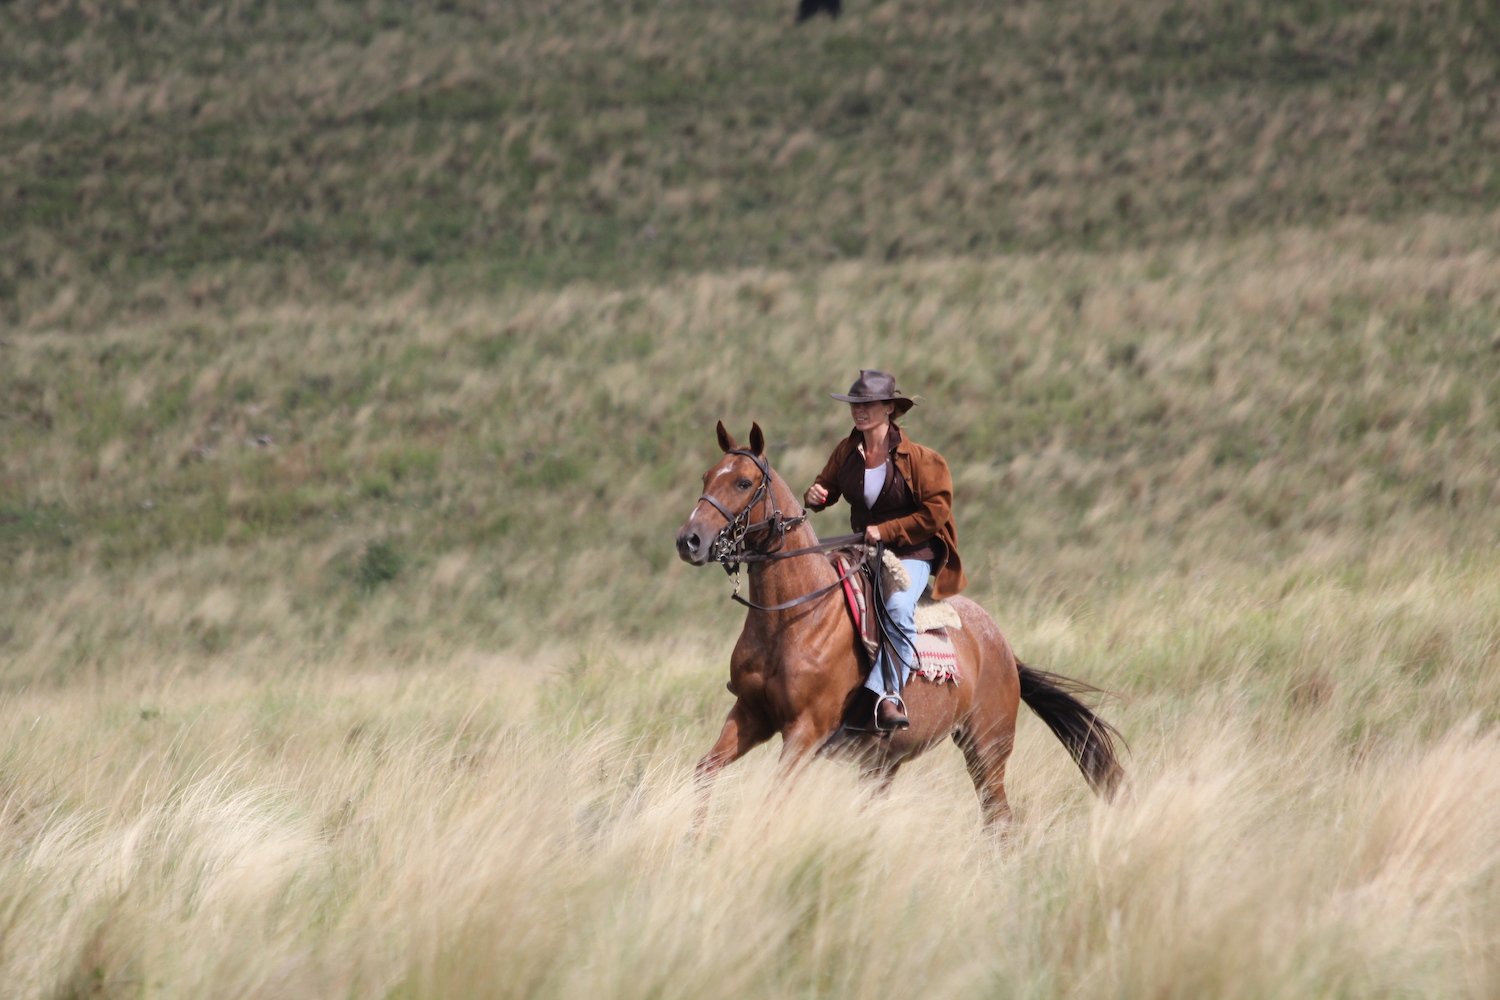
(986, 754)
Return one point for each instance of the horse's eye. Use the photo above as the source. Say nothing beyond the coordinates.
(743, 484)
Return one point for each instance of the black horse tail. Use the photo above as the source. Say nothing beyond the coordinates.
(1089, 739)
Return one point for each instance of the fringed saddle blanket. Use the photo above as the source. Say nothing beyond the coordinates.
(937, 660)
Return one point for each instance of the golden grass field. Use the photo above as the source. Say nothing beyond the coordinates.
(358, 361)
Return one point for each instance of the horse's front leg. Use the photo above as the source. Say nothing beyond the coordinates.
(817, 701)
(799, 745)
(801, 740)
(743, 731)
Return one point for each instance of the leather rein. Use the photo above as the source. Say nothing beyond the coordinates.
(731, 546)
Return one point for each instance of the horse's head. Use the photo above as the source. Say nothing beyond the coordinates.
(738, 482)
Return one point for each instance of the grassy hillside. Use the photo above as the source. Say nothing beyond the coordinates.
(419, 476)
(359, 361)
(213, 152)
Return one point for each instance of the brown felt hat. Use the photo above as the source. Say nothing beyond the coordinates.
(875, 387)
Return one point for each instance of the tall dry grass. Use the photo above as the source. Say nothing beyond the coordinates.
(375, 829)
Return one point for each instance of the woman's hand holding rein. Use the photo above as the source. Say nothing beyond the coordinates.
(816, 495)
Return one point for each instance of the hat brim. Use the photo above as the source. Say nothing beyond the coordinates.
(902, 403)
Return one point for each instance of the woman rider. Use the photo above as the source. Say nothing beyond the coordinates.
(902, 494)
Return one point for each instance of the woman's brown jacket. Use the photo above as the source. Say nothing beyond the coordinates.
(931, 484)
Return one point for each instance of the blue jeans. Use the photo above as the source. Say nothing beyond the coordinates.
(901, 605)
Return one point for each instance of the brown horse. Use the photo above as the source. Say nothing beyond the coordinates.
(798, 664)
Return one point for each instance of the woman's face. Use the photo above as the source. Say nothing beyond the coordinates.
(870, 415)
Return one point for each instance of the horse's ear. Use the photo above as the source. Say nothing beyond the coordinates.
(757, 440)
(725, 441)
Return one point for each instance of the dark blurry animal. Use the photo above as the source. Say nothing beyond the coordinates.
(808, 9)
(798, 661)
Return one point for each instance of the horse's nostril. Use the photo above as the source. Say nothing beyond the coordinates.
(692, 541)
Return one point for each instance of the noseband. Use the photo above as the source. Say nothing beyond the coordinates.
(731, 546)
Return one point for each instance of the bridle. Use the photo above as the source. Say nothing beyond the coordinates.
(732, 545)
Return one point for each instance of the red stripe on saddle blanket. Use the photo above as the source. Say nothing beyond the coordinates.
(937, 660)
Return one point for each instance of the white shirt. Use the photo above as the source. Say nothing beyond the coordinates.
(874, 480)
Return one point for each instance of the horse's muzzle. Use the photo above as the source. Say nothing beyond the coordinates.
(693, 545)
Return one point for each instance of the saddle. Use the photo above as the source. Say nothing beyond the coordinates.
(937, 660)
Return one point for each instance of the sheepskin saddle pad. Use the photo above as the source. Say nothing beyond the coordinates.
(937, 660)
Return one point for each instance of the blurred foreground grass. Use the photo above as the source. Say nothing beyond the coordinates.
(1313, 812)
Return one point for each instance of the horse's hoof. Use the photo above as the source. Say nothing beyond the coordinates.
(888, 715)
